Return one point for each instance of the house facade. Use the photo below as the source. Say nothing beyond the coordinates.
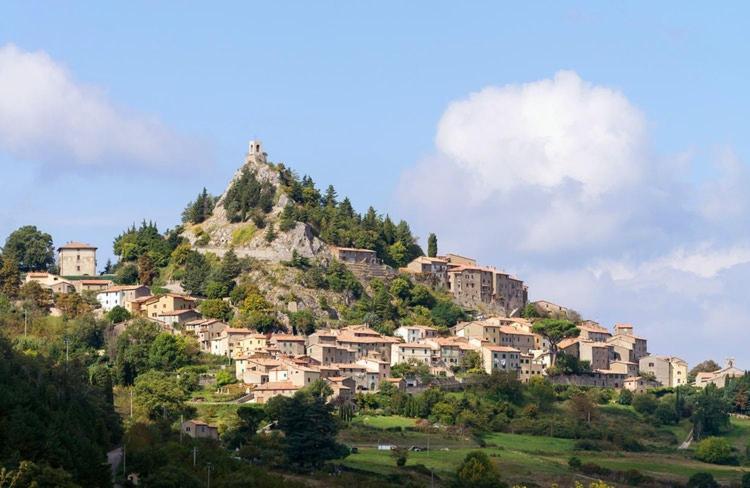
(76, 259)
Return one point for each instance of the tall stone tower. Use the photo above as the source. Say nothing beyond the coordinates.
(76, 259)
(255, 151)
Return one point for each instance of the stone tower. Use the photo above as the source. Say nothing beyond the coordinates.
(255, 151)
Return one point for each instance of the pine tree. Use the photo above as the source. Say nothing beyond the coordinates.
(10, 278)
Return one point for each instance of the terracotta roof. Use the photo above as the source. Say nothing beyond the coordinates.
(276, 385)
(414, 345)
(116, 288)
(287, 337)
(76, 245)
(179, 312)
(95, 282)
(501, 348)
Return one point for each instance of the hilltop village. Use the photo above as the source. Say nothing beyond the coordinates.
(281, 331)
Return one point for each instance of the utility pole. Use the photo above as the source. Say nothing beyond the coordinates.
(181, 421)
(131, 402)
(67, 344)
(195, 455)
(208, 482)
(25, 321)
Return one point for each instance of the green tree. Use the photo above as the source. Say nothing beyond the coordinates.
(555, 331)
(707, 366)
(157, 395)
(168, 352)
(746, 480)
(303, 322)
(715, 450)
(132, 350)
(33, 293)
(400, 455)
(626, 397)
(216, 308)
(541, 392)
(118, 314)
(702, 480)
(309, 426)
(200, 209)
(477, 471)
(645, 403)
(127, 274)
(471, 361)
(710, 413)
(30, 248)
(432, 245)
(197, 271)
(10, 277)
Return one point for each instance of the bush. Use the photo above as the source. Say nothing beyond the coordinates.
(595, 469)
(702, 480)
(715, 450)
(587, 445)
(645, 403)
(746, 480)
(574, 463)
(626, 397)
(633, 477)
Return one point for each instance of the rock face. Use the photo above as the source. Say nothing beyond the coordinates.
(245, 237)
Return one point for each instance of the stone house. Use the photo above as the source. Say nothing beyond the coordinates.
(169, 302)
(76, 259)
(470, 285)
(509, 292)
(178, 316)
(414, 333)
(530, 367)
(122, 296)
(263, 393)
(227, 342)
(291, 345)
(355, 255)
(92, 285)
(500, 358)
(598, 354)
(411, 351)
(200, 430)
(669, 371)
(720, 377)
(628, 347)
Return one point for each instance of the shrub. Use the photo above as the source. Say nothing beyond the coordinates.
(626, 397)
(715, 450)
(574, 463)
(587, 445)
(702, 480)
(645, 403)
(595, 469)
(243, 235)
(746, 480)
(633, 477)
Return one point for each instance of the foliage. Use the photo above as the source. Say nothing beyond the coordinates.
(216, 308)
(410, 369)
(707, 366)
(132, 350)
(710, 413)
(197, 272)
(243, 235)
(118, 314)
(200, 209)
(127, 274)
(146, 239)
(702, 480)
(337, 223)
(158, 395)
(168, 352)
(432, 245)
(715, 450)
(625, 398)
(51, 414)
(645, 403)
(530, 311)
(477, 471)
(224, 378)
(72, 305)
(248, 197)
(555, 330)
(146, 270)
(400, 455)
(33, 294)
(30, 248)
(10, 277)
(302, 322)
(308, 425)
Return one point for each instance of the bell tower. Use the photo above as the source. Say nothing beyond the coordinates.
(255, 151)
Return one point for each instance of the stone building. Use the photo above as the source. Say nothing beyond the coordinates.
(76, 259)
(668, 370)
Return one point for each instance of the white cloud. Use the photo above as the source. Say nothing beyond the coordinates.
(46, 116)
(554, 180)
(546, 132)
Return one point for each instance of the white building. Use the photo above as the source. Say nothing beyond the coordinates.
(415, 333)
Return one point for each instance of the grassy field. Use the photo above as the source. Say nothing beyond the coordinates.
(523, 457)
(384, 422)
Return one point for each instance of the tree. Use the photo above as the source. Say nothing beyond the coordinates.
(146, 270)
(471, 361)
(309, 426)
(715, 450)
(10, 278)
(702, 480)
(127, 274)
(72, 305)
(303, 322)
(707, 366)
(118, 314)
(626, 397)
(132, 350)
(541, 392)
(157, 394)
(477, 471)
(216, 308)
(710, 413)
(168, 352)
(746, 480)
(399, 454)
(555, 331)
(200, 209)
(432, 245)
(645, 403)
(30, 248)
(197, 271)
(583, 407)
(39, 297)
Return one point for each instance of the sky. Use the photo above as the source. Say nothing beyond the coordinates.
(597, 150)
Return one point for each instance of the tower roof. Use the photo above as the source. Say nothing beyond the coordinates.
(76, 245)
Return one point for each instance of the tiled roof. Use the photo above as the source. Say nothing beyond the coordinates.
(76, 245)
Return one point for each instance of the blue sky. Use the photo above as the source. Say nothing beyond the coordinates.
(376, 98)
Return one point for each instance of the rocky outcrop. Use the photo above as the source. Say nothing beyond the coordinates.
(246, 239)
